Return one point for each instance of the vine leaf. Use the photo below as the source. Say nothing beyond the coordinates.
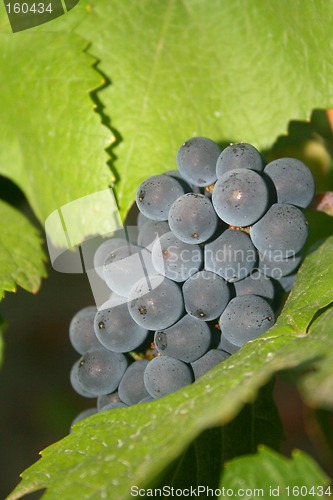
(109, 452)
(225, 72)
(313, 290)
(268, 474)
(21, 253)
(316, 384)
(52, 143)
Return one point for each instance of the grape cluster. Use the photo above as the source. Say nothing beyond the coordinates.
(219, 240)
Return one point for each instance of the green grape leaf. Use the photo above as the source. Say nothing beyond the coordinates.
(21, 253)
(268, 474)
(316, 384)
(181, 68)
(312, 290)
(202, 462)
(203, 75)
(112, 451)
(52, 143)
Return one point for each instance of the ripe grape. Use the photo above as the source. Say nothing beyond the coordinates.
(232, 255)
(147, 399)
(225, 345)
(287, 282)
(114, 406)
(141, 219)
(206, 295)
(75, 383)
(192, 218)
(164, 375)
(282, 231)
(100, 371)
(125, 266)
(256, 284)
(293, 181)
(81, 330)
(102, 252)
(276, 266)
(186, 340)
(150, 231)
(245, 318)
(212, 358)
(105, 399)
(155, 304)
(132, 388)
(82, 415)
(175, 259)
(176, 174)
(240, 155)
(219, 240)
(240, 197)
(196, 161)
(115, 328)
(156, 195)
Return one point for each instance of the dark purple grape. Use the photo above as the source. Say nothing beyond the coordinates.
(164, 375)
(240, 197)
(196, 161)
(240, 155)
(293, 181)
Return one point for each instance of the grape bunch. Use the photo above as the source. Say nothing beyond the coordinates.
(219, 241)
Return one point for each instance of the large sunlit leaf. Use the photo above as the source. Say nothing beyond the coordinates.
(213, 68)
(52, 143)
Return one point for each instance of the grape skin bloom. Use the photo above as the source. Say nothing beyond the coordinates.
(232, 255)
(208, 361)
(132, 388)
(240, 155)
(196, 161)
(81, 330)
(206, 294)
(165, 374)
(101, 370)
(186, 340)
(125, 266)
(245, 318)
(256, 284)
(175, 259)
(293, 181)
(156, 195)
(240, 197)
(282, 231)
(155, 303)
(115, 328)
(192, 218)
